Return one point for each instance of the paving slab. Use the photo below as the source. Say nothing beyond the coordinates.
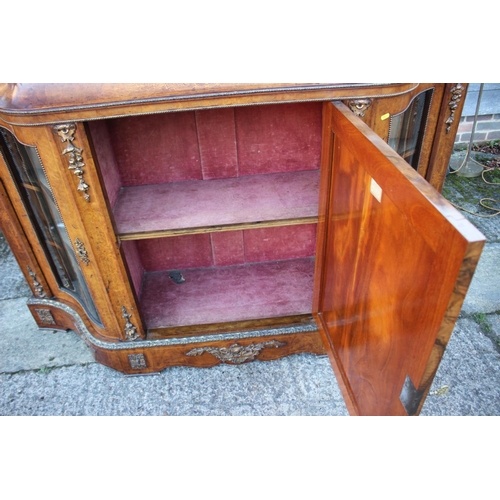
(25, 347)
(491, 328)
(484, 291)
(467, 381)
(12, 283)
(257, 388)
(466, 384)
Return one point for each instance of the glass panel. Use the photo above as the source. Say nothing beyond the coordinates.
(406, 131)
(27, 170)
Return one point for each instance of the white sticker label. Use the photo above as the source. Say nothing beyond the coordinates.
(376, 190)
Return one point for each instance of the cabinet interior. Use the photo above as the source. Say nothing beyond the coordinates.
(228, 197)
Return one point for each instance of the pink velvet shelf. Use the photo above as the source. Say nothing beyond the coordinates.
(217, 204)
(225, 294)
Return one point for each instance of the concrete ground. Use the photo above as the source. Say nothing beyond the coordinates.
(44, 372)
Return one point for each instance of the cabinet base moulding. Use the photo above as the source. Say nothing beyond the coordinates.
(148, 356)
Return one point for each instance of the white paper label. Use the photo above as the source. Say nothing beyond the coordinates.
(376, 190)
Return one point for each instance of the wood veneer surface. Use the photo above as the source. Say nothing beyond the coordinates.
(194, 204)
(53, 103)
(46, 96)
(395, 269)
(225, 294)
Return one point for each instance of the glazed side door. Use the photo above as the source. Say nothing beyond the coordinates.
(394, 262)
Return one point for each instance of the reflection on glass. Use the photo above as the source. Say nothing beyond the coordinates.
(406, 131)
(27, 171)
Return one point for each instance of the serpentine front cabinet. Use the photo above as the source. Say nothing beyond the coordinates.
(194, 224)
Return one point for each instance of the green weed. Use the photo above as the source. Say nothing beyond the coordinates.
(482, 321)
(45, 369)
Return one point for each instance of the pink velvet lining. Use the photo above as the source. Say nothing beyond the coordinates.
(156, 148)
(218, 143)
(134, 262)
(209, 168)
(106, 158)
(191, 204)
(228, 248)
(234, 293)
(278, 138)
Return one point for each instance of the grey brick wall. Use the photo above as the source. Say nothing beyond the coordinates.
(488, 120)
(487, 128)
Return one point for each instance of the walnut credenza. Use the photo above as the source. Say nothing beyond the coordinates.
(194, 224)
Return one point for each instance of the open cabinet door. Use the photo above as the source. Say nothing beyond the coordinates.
(394, 262)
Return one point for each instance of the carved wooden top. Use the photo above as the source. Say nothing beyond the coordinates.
(41, 103)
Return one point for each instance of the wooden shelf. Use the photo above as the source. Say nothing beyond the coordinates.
(225, 294)
(217, 205)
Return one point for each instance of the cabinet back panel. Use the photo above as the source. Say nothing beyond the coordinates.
(216, 143)
(278, 138)
(156, 148)
(279, 243)
(227, 248)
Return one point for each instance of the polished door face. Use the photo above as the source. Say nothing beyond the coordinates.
(32, 184)
(396, 260)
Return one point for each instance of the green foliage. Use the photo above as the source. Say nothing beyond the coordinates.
(482, 321)
(493, 175)
(45, 369)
